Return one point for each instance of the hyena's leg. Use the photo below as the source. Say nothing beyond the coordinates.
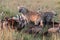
(41, 23)
(37, 21)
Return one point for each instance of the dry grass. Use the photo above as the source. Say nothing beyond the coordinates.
(6, 34)
(12, 5)
(31, 4)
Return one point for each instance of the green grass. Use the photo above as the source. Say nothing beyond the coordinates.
(11, 5)
(9, 8)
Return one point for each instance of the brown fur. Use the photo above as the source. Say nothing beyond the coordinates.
(33, 17)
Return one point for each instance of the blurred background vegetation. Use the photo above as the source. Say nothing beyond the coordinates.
(9, 8)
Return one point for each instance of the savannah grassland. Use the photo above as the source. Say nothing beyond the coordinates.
(9, 8)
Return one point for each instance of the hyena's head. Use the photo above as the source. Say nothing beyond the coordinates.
(23, 10)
